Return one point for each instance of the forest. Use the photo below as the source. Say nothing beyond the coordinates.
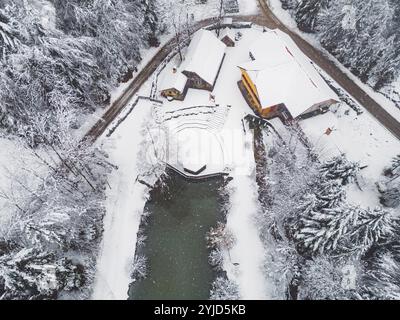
(326, 247)
(59, 61)
(362, 34)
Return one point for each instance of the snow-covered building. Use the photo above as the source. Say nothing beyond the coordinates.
(280, 80)
(203, 60)
(228, 37)
(174, 85)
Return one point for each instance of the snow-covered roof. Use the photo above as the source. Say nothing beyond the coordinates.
(227, 21)
(173, 80)
(282, 73)
(204, 55)
(227, 33)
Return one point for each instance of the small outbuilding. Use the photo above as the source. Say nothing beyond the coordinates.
(228, 37)
(174, 85)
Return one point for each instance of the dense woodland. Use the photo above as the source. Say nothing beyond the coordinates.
(324, 246)
(362, 34)
(59, 59)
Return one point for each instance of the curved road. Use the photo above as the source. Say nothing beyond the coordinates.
(268, 19)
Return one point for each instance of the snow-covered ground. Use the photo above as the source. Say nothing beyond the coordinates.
(362, 139)
(199, 11)
(126, 198)
(286, 18)
(239, 158)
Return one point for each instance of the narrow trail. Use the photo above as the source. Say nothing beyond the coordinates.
(268, 19)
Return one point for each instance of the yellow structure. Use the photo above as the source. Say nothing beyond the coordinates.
(280, 80)
(253, 96)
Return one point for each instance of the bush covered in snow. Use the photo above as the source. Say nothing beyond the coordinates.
(224, 289)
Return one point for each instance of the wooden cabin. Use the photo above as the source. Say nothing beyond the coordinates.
(174, 86)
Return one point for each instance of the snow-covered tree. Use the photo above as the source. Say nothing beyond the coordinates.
(373, 227)
(330, 194)
(224, 289)
(289, 4)
(220, 237)
(216, 258)
(61, 212)
(152, 21)
(9, 34)
(344, 229)
(323, 279)
(326, 230)
(391, 196)
(307, 12)
(339, 168)
(32, 274)
(382, 282)
(394, 169)
(362, 34)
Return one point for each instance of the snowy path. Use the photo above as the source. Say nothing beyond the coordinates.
(125, 203)
(248, 251)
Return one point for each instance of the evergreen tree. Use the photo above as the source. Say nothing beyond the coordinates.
(391, 196)
(373, 228)
(9, 36)
(382, 282)
(323, 279)
(325, 231)
(330, 194)
(33, 274)
(339, 168)
(361, 34)
(289, 4)
(307, 13)
(224, 289)
(152, 23)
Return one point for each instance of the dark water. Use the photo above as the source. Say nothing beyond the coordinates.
(176, 248)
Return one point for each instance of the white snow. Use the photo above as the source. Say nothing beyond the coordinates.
(283, 74)
(17, 163)
(248, 6)
(204, 55)
(201, 11)
(248, 251)
(362, 139)
(174, 80)
(124, 206)
(288, 21)
(238, 157)
(7, 148)
(227, 32)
